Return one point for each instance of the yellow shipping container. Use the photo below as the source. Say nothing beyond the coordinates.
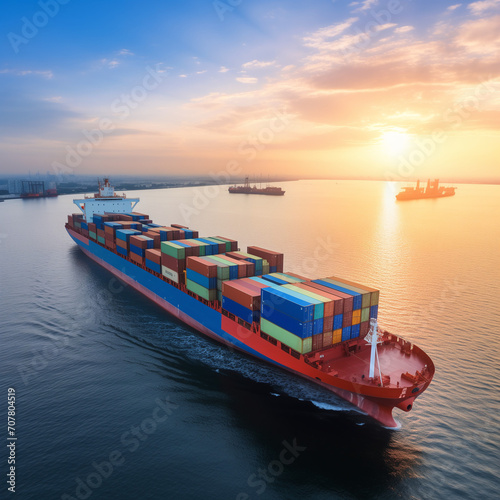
(337, 336)
(356, 317)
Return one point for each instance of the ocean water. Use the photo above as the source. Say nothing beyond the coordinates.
(115, 399)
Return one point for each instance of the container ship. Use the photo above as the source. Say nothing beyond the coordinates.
(324, 330)
(247, 189)
(432, 190)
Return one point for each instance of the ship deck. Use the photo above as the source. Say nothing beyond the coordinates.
(353, 363)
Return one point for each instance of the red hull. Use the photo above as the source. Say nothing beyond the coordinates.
(342, 368)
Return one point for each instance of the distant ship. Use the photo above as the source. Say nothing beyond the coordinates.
(247, 189)
(433, 190)
(36, 189)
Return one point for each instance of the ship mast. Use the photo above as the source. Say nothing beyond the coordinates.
(372, 338)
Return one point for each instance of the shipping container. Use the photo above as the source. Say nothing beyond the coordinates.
(240, 311)
(273, 258)
(374, 312)
(137, 251)
(233, 267)
(136, 258)
(364, 328)
(154, 266)
(327, 324)
(202, 266)
(328, 303)
(337, 336)
(355, 331)
(171, 274)
(173, 250)
(348, 299)
(223, 270)
(200, 279)
(234, 243)
(327, 338)
(205, 293)
(328, 293)
(338, 321)
(177, 265)
(301, 309)
(288, 323)
(347, 321)
(242, 293)
(356, 317)
(272, 279)
(317, 342)
(346, 333)
(374, 293)
(122, 251)
(154, 255)
(302, 346)
(365, 314)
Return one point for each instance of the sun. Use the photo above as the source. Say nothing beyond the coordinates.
(394, 143)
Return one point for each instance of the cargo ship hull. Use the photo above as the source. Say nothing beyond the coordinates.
(340, 375)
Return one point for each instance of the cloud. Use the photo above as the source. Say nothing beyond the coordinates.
(365, 5)
(404, 29)
(478, 8)
(481, 35)
(223, 69)
(454, 7)
(257, 64)
(246, 79)
(28, 72)
(125, 52)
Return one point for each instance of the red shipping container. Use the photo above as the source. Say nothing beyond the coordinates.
(274, 258)
(327, 324)
(317, 341)
(122, 244)
(338, 302)
(153, 255)
(364, 327)
(179, 226)
(241, 294)
(70, 220)
(111, 244)
(340, 308)
(347, 321)
(177, 265)
(85, 233)
(136, 258)
(155, 237)
(101, 233)
(196, 234)
(234, 243)
(201, 266)
(138, 242)
(92, 227)
(172, 233)
(193, 249)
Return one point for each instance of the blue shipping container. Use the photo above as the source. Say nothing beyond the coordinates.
(273, 298)
(200, 279)
(346, 333)
(137, 250)
(153, 266)
(275, 280)
(238, 310)
(292, 325)
(355, 331)
(122, 251)
(318, 326)
(357, 297)
(374, 312)
(337, 321)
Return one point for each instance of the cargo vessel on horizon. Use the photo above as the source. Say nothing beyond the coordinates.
(432, 190)
(322, 329)
(247, 189)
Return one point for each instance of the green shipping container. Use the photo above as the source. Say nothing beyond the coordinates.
(207, 294)
(93, 235)
(100, 239)
(218, 240)
(301, 345)
(365, 314)
(172, 249)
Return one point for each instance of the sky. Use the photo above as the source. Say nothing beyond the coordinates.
(394, 89)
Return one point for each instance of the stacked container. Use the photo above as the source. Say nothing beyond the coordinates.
(201, 277)
(123, 240)
(173, 260)
(275, 259)
(138, 246)
(241, 299)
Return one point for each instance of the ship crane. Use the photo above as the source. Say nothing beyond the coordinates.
(373, 338)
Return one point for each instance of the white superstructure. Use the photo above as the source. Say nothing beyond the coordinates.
(105, 201)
